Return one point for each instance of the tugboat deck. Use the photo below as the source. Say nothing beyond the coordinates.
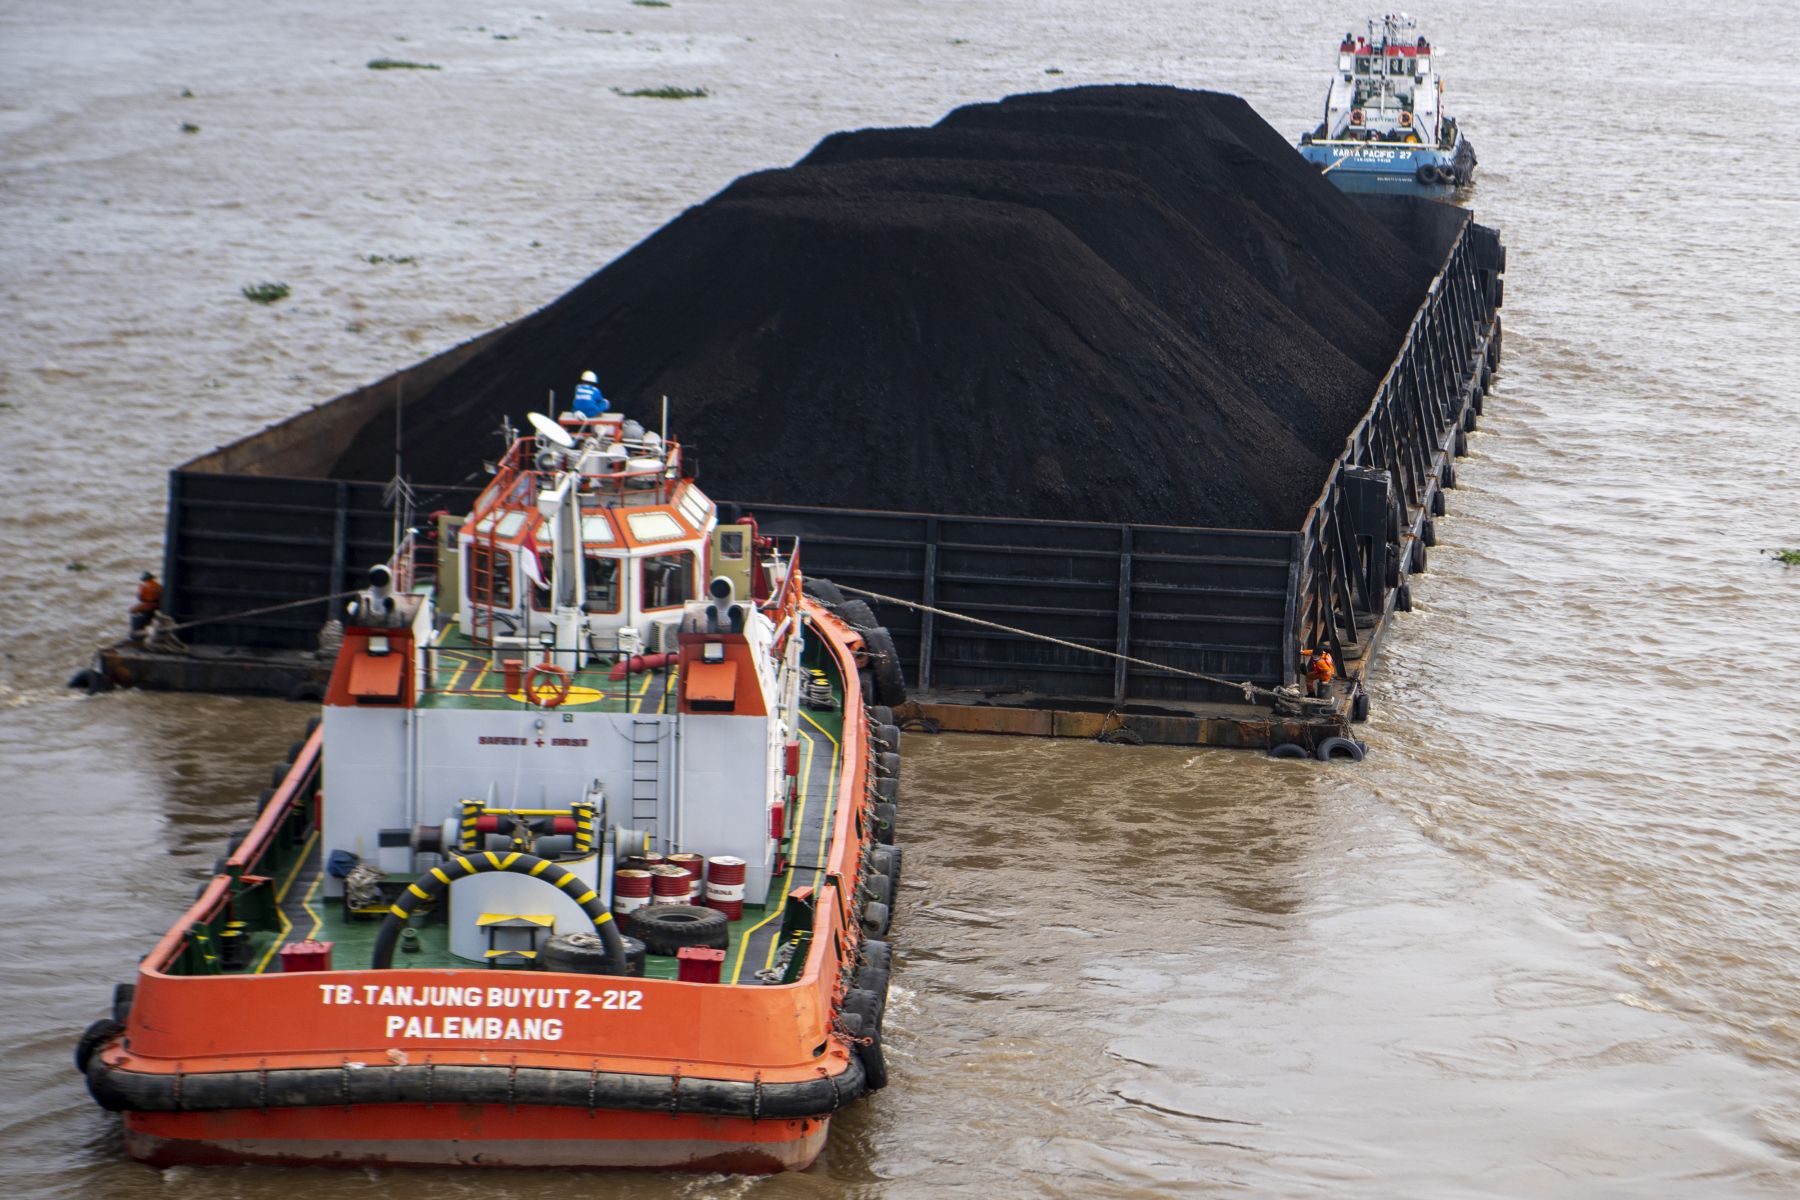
(304, 912)
(461, 674)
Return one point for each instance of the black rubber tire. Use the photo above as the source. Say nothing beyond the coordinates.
(1419, 560)
(234, 839)
(876, 955)
(666, 928)
(1472, 416)
(884, 662)
(123, 995)
(92, 1038)
(888, 791)
(876, 917)
(880, 889)
(585, 954)
(1334, 748)
(1426, 174)
(887, 765)
(1428, 531)
(294, 750)
(1393, 566)
(1439, 505)
(885, 817)
(312, 725)
(888, 860)
(1461, 446)
(874, 1062)
(1480, 405)
(1403, 598)
(1493, 346)
(1359, 706)
(278, 772)
(307, 691)
(823, 590)
(1288, 750)
(865, 683)
(856, 611)
(888, 734)
(1449, 480)
(881, 714)
(872, 978)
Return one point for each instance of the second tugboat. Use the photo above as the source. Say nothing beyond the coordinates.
(1385, 127)
(591, 704)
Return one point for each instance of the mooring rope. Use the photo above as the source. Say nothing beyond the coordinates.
(257, 612)
(1250, 690)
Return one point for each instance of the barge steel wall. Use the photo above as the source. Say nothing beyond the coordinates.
(1244, 604)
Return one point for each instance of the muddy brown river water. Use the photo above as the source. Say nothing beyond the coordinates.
(1541, 944)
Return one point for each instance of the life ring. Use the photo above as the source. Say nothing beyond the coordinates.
(1405, 119)
(1356, 116)
(541, 697)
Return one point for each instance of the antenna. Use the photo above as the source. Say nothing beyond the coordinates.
(665, 428)
(550, 431)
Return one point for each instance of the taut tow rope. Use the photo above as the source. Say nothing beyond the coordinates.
(1250, 690)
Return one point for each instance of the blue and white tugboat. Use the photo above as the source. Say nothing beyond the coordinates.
(1385, 128)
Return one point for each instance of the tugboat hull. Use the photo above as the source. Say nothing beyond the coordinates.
(469, 1135)
(1361, 167)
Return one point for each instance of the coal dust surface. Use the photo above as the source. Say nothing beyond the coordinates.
(1119, 303)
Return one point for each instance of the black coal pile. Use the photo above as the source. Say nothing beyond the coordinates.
(1107, 303)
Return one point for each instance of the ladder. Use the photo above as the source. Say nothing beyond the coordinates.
(646, 770)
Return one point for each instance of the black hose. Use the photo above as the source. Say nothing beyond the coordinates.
(434, 883)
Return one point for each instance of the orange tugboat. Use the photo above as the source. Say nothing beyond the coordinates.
(586, 862)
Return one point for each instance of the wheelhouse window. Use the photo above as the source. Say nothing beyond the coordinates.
(601, 577)
(667, 579)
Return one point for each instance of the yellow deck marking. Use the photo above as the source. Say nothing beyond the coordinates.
(637, 706)
(577, 695)
(831, 806)
(306, 906)
(737, 969)
(281, 894)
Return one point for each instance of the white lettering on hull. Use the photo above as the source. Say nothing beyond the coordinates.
(448, 1026)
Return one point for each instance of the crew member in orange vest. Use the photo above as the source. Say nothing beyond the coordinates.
(148, 601)
(1320, 672)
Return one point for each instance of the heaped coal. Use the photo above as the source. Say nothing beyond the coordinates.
(1108, 303)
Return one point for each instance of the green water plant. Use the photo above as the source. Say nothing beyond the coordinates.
(400, 64)
(1785, 556)
(666, 93)
(266, 292)
(652, 3)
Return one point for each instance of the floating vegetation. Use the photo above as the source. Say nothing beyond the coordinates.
(266, 293)
(189, 127)
(666, 93)
(1053, 70)
(652, 3)
(76, 566)
(1785, 556)
(403, 259)
(187, 94)
(400, 64)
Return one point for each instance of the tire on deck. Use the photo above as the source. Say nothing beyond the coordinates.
(667, 928)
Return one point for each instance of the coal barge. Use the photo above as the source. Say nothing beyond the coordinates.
(1134, 419)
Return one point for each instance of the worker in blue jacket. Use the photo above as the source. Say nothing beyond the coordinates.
(589, 403)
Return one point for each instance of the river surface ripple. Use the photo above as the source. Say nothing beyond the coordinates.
(1540, 944)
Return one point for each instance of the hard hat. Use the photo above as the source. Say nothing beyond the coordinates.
(146, 575)
(589, 377)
